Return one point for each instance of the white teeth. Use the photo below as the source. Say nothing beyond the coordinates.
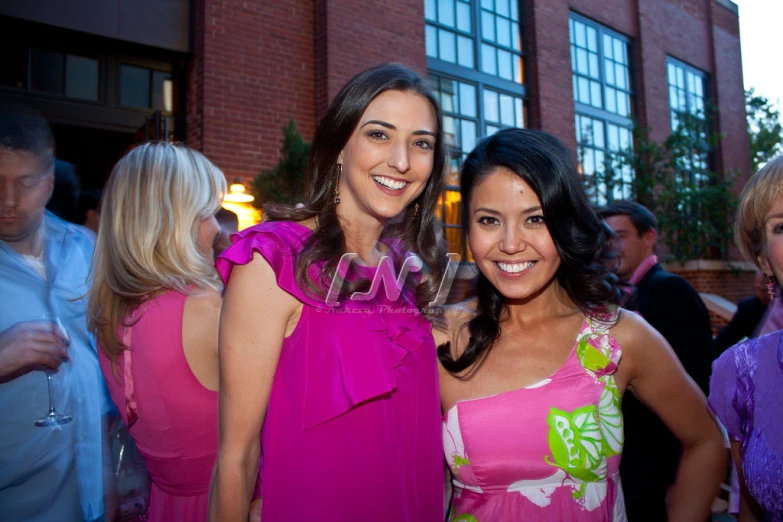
(514, 268)
(390, 183)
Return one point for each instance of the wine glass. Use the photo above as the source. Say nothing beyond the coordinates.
(54, 418)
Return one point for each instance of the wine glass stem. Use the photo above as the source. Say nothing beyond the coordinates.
(51, 396)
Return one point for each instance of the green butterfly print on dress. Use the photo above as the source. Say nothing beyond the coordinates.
(575, 442)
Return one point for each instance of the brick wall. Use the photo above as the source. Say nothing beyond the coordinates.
(253, 70)
(353, 35)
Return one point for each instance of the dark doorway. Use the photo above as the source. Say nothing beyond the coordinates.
(93, 151)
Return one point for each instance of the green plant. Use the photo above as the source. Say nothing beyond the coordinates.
(693, 204)
(764, 129)
(285, 182)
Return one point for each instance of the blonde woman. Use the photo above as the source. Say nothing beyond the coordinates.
(746, 390)
(154, 307)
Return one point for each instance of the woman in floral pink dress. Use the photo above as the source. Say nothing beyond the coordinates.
(533, 371)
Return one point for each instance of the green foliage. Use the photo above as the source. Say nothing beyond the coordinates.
(764, 129)
(285, 183)
(693, 204)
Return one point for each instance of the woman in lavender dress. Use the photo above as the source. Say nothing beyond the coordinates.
(746, 391)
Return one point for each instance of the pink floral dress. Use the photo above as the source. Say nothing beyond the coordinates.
(548, 451)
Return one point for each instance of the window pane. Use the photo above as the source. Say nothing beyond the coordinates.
(488, 4)
(488, 61)
(581, 38)
(467, 99)
(618, 50)
(446, 12)
(516, 40)
(595, 94)
(463, 16)
(507, 110)
(448, 95)
(611, 100)
(593, 59)
(608, 47)
(491, 106)
(134, 86)
(487, 26)
(450, 131)
(504, 32)
(465, 51)
(515, 10)
(491, 129)
(517, 69)
(468, 135)
(81, 77)
(158, 94)
(505, 69)
(598, 133)
(584, 90)
(520, 113)
(432, 43)
(619, 74)
(13, 73)
(592, 40)
(429, 10)
(46, 71)
(581, 62)
(622, 104)
(609, 69)
(446, 44)
(502, 7)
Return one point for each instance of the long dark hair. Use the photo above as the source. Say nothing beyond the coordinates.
(583, 241)
(417, 231)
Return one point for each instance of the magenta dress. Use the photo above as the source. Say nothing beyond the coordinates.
(746, 394)
(173, 419)
(352, 429)
(546, 452)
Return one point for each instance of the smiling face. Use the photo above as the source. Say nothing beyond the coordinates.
(508, 236)
(389, 157)
(771, 259)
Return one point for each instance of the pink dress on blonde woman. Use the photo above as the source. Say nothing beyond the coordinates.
(173, 419)
(352, 428)
(546, 452)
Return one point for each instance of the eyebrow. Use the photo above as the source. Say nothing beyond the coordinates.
(392, 127)
(773, 216)
(491, 211)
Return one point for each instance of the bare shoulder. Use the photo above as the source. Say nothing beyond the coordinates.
(632, 330)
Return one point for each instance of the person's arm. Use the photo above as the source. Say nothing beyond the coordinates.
(656, 377)
(749, 509)
(253, 324)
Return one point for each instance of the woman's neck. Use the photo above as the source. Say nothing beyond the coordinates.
(552, 301)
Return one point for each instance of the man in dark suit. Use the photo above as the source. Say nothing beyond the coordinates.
(651, 452)
(747, 320)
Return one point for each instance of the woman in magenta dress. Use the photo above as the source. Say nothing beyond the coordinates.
(746, 390)
(342, 388)
(534, 370)
(154, 307)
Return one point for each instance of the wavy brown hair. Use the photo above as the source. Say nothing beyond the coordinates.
(419, 233)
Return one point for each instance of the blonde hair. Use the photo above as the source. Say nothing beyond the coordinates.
(153, 204)
(757, 198)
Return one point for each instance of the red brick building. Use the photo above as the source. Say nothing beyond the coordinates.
(227, 75)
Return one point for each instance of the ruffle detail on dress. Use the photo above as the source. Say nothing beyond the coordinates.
(278, 242)
(346, 371)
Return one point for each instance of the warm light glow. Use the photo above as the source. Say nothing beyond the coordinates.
(247, 214)
(168, 95)
(236, 193)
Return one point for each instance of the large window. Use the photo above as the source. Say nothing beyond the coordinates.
(64, 74)
(474, 54)
(603, 99)
(687, 108)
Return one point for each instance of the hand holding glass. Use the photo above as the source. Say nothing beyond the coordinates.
(53, 418)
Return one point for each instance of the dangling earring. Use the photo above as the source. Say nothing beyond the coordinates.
(416, 211)
(771, 287)
(336, 199)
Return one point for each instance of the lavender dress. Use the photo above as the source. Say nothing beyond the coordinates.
(352, 430)
(746, 394)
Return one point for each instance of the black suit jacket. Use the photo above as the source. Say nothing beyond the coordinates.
(744, 323)
(651, 452)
